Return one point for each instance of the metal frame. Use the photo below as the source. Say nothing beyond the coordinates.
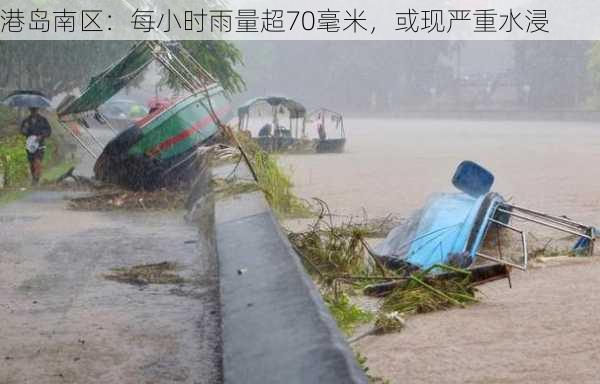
(562, 224)
(79, 140)
(294, 122)
(96, 141)
(523, 243)
(339, 125)
(107, 122)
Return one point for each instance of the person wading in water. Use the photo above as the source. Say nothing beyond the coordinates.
(36, 128)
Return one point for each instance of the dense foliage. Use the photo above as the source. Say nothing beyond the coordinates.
(13, 160)
(14, 166)
(220, 59)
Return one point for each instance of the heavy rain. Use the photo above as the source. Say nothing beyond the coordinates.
(195, 207)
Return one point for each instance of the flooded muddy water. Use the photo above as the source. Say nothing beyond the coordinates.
(391, 166)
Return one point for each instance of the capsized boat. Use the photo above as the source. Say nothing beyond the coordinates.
(157, 150)
(452, 228)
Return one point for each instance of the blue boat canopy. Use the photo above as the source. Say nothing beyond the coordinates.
(452, 228)
(449, 229)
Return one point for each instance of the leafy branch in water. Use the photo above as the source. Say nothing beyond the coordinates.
(347, 315)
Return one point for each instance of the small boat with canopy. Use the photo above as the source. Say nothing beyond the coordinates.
(330, 131)
(275, 123)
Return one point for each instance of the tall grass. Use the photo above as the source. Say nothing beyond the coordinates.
(274, 181)
(13, 159)
(332, 249)
(277, 186)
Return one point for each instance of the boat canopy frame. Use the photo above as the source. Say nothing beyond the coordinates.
(296, 110)
(586, 234)
(339, 119)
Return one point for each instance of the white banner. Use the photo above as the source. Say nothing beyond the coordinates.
(300, 20)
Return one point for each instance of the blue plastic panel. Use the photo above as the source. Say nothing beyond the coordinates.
(472, 179)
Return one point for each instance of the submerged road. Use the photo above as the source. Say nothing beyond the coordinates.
(62, 321)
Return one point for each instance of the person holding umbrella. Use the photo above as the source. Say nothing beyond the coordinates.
(35, 127)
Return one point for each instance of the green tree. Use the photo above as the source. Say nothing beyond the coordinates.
(220, 59)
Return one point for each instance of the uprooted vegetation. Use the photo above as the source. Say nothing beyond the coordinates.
(271, 179)
(423, 292)
(118, 199)
(159, 273)
(341, 261)
(330, 248)
(347, 315)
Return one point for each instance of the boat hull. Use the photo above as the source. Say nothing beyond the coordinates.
(159, 151)
(330, 146)
(183, 126)
(285, 144)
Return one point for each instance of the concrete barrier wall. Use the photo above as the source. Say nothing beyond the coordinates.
(275, 325)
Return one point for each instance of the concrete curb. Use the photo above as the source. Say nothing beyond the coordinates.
(275, 326)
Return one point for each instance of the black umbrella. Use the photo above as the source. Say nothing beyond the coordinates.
(26, 99)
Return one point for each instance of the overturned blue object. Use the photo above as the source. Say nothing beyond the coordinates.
(449, 229)
(472, 179)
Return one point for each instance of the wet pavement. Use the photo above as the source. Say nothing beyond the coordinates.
(64, 322)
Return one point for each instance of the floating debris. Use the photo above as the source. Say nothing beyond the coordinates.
(388, 322)
(423, 293)
(125, 200)
(346, 314)
(339, 248)
(434, 260)
(160, 273)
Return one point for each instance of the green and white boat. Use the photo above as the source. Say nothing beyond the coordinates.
(158, 150)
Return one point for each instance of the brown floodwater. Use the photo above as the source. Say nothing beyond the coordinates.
(392, 165)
